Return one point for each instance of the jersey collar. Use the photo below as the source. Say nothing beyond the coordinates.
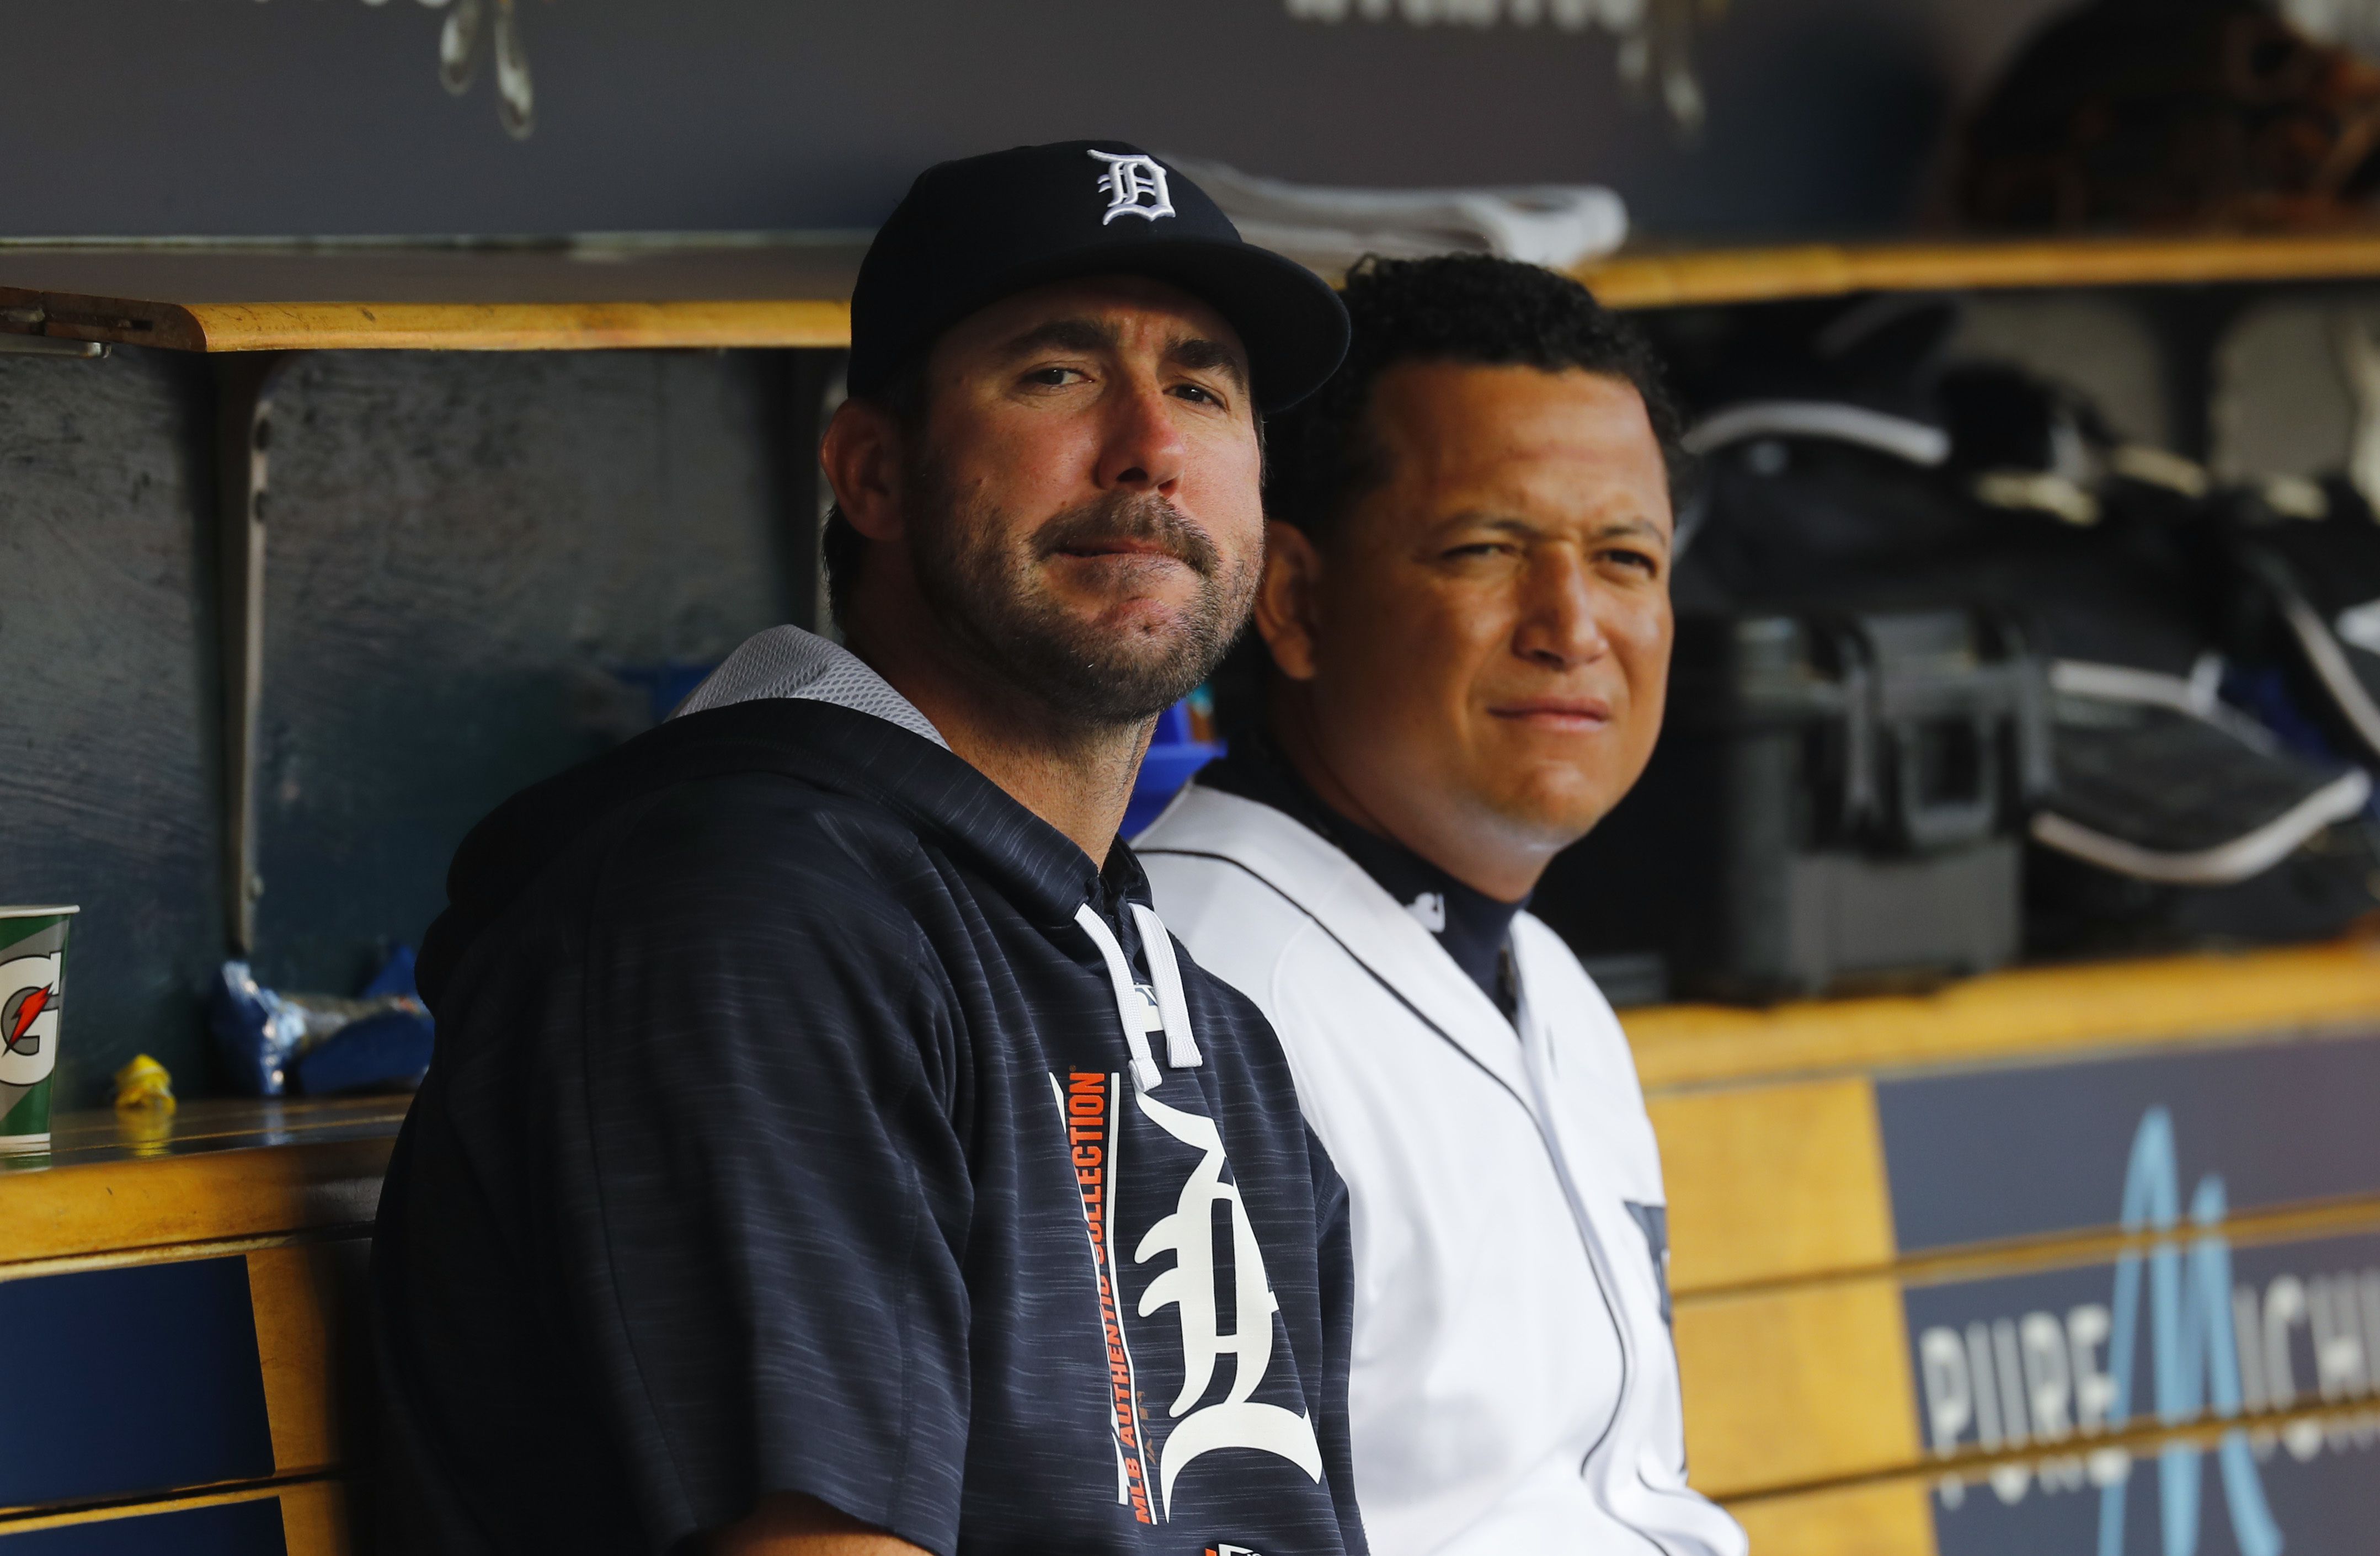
(1371, 925)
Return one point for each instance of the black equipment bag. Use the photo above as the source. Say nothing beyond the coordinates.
(2133, 807)
(2306, 595)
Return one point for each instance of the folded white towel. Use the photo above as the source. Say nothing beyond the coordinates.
(1556, 225)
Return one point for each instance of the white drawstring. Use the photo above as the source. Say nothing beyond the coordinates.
(1127, 997)
(1172, 1005)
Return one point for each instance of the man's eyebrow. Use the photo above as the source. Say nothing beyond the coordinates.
(1618, 528)
(1064, 334)
(1201, 355)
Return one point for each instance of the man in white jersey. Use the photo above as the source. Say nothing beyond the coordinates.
(1467, 607)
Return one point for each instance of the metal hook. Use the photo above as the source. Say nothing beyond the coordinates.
(516, 99)
(459, 47)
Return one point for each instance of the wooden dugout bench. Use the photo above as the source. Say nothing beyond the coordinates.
(183, 1302)
(1893, 1222)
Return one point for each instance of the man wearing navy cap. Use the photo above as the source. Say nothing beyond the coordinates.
(828, 1148)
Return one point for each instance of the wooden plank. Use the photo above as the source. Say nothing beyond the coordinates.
(2066, 1250)
(315, 1518)
(2027, 1012)
(309, 1302)
(1892, 1514)
(335, 326)
(788, 291)
(1824, 270)
(124, 321)
(1797, 1386)
(1745, 276)
(1887, 1518)
(174, 1201)
(1770, 1182)
(513, 326)
(213, 1124)
(216, 1171)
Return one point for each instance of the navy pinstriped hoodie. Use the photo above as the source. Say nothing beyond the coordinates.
(809, 1116)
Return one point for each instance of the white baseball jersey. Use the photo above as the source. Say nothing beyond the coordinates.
(1515, 1390)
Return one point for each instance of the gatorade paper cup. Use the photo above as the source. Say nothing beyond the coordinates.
(32, 991)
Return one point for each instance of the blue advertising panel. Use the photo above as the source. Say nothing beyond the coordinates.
(1979, 1157)
(2049, 1361)
(2189, 1326)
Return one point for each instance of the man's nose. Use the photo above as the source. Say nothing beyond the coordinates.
(1143, 450)
(1560, 623)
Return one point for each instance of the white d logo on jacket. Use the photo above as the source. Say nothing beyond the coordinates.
(1513, 1389)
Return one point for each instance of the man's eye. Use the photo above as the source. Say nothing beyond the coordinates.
(1642, 561)
(1198, 393)
(1052, 377)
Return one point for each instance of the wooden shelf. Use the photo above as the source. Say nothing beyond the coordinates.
(795, 292)
(459, 299)
(2027, 1012)
(1826, 270)
(114, 1188)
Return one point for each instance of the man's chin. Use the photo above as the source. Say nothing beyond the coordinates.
(1557, 809)
(1143, 612)
(1148, 658)
(1113, 670)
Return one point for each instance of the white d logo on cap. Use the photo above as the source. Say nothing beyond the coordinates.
(1135, 186)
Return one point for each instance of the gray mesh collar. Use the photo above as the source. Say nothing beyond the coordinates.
(788, 661)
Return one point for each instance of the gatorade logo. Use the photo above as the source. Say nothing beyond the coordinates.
(1232, 1550)
(29, 1018)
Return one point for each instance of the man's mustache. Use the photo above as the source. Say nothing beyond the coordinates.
(1127, 516)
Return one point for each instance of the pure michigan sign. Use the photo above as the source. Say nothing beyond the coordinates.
(2189, 1326)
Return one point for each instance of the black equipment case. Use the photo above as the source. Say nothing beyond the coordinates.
(1833, 801)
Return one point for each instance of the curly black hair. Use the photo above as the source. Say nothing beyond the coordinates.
(1469, 309)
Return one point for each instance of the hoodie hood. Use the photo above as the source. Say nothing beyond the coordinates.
(839, 750)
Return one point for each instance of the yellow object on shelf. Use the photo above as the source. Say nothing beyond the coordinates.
(145, 1086)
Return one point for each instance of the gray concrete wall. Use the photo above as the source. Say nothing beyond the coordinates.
(461, 548)
(108, 751)
(325, 116)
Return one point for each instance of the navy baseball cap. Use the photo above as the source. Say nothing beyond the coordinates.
(971, 232)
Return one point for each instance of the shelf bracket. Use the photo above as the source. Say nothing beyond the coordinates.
(2190, 324)
(244, 390)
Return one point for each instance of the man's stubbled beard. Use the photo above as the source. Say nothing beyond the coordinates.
(987, 585)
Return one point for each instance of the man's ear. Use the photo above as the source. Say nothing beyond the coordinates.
(861, 456)
(1289, 599)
